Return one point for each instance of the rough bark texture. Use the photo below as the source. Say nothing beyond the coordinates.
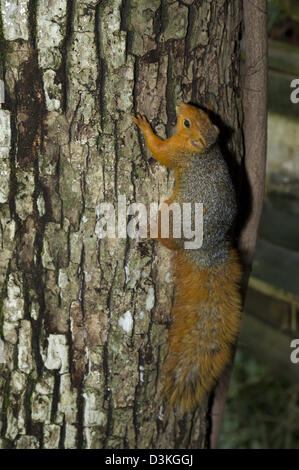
(255, 119)
(84, 321)
(254, 174)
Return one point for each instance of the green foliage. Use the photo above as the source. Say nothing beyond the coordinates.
(287, 7)
(275, 14)
(262, 410)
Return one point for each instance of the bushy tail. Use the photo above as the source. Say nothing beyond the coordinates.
(206, 320)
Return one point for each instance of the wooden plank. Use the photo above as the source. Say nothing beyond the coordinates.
(277, 266)
(283, 190)
(279, 227)
(274, 292)
(269, 346)
(274, 309)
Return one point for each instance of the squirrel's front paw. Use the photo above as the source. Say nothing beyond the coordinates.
(141, 122)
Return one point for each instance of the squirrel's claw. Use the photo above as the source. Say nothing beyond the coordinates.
(141, 121)
(134, 118)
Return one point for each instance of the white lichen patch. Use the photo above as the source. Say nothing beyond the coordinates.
(134, 268)
(47, 259)
(41, 205)
(87, 276)
(136, 275)
(70, 436)
(45, 386)
(49, 38)
(42, 399)
(94, 379)
(57, 353)
(127, 273)
(18, 382)
(5, 137)
(124, 94)
(67, 406)
(176, 22)
(141, 373)
(24, 199)
(24, 347)
(13, 305)
(5, 132)
(113, 40)
(76, 247)
(52, 91)
(84, 18)
(22, 419)
(34, 310)
(92, 415)
(12, 425)
(150, 299)
(76, 186)
(8, 230)
(2, 352)
(51, 30)
(10, 331)
(126, 321)
(27, 442)
(41, 408)
(83, 64)
(90, 437)
(15, 19)
(63, 279)
(51, 436)
(7, 233)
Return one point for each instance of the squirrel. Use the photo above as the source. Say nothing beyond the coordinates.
(207, 301)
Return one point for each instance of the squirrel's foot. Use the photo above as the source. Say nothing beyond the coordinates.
(141, 122)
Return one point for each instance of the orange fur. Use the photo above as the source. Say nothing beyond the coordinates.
(206, 312)
(207, 305)
(172, 152)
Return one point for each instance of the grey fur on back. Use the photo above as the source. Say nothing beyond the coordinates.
(207, 180)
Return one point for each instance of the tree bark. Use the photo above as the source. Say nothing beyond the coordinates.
(252, 178)
(84, 321)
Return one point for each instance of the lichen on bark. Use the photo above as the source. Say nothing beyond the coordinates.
(84, 320)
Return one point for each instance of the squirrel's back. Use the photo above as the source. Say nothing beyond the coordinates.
(206, 179)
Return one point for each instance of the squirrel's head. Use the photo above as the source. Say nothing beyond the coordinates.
(195, 125)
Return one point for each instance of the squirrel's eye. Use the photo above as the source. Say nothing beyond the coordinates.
(186, 123)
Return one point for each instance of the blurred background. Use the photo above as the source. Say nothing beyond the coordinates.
(262, 410)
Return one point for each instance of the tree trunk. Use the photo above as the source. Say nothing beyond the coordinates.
(84, 320)
(252, 179)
